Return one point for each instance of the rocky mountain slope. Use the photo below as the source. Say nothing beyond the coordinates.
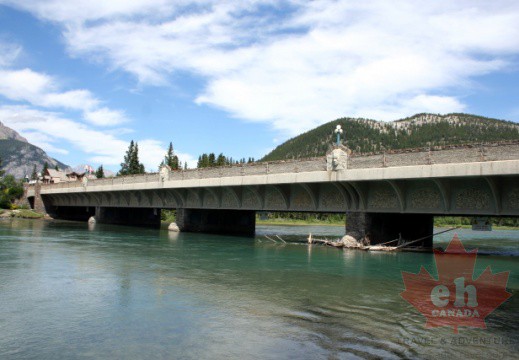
(19, 156)
(365, 135)
(7, 133)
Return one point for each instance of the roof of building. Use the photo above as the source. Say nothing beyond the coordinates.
(57, 174)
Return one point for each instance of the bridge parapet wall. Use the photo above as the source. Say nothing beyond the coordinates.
(495, 152)
(453, 154)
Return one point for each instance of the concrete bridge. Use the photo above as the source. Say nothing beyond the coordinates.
(383, 194)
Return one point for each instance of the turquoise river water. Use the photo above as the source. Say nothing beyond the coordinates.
(68, 291)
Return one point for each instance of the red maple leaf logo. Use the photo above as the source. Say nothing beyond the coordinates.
(455, 299)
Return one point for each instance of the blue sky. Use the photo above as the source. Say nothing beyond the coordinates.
(82, 78)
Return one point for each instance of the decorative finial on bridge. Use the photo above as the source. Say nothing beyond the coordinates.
(338, 131)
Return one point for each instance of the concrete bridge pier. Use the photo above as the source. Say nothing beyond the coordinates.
(377, 228)
(228, 222)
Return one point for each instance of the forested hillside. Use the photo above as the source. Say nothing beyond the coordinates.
(364, 135)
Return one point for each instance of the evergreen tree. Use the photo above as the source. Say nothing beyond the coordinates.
(45, 168)
(131, 164)
(125, 165)
(205, 161)
(135, 166)
(171, 159)
(34, 175)
(221, 160)
(56, 168)
(100, 173)
(211, 159)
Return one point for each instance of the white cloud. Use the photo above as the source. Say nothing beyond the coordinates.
(151, 153)
(54, 132)
(297, 69)
(42, 90)
(44, 141)
(105, 117)
(24, 85)
(8, 53)
(60, 134)
(84, 10)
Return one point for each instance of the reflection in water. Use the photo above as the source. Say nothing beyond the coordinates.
(173, 236)
(122, 292)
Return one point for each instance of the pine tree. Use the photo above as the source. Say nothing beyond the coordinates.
(135, 166)
(100, 173)
(45, 168)
(34, 175)
(204, 161)
(211, 159)
(56, 168)
(131, 164)
(220, 160)
(125, 165)
(171, 159)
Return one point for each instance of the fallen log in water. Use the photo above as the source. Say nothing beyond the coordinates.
(337, 244)
(379, 247)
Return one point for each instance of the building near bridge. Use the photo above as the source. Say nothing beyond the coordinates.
(52, 176)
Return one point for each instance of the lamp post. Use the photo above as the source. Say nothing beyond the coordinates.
(338, 131)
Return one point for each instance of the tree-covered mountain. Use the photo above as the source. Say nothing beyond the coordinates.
(18, 156)
(364, 135)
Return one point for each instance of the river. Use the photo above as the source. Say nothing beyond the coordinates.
(68, 291)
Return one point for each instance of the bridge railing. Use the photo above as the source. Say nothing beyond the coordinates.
(407, 157)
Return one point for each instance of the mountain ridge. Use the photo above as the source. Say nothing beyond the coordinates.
(424, 129)
(7, 133)
(19, 156)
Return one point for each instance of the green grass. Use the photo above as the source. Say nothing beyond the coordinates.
(27, 214)
(281, 221)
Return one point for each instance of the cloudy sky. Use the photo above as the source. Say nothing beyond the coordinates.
(82, 78)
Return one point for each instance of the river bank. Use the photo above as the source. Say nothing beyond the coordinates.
(22, 214)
